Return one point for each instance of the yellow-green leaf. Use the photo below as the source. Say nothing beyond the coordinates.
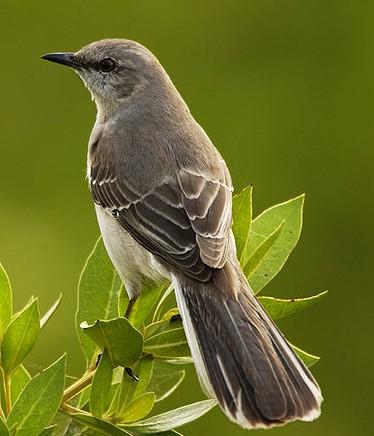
(307, 358)
(5, 301)
(20, 337)
(50, 312)
(169, 343)
(138, 408)
(19, 380)
(290, 213)
(258, 257)
(278, 308)
(242, 220)
(145, 303)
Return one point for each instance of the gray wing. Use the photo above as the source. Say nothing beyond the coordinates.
(185, 220)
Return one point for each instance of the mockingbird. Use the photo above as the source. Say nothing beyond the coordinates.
(162, 195)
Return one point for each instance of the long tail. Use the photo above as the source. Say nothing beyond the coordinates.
(242, 359)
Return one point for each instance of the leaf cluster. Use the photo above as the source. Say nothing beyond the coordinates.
(134, 351)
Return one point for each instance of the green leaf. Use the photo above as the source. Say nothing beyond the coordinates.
(47, 431)
(277, 308)
(145, 303)
(242, 220)
(308, 359)
(98, 290)
(20, 336)
(138, 408)
(171, 319)
(258, 257)
(19, 380)
(263, 226)
(99, 425)
(174, 418)
(171, 342)
(50, 312)
(144, 371)
(62, 423)
(4, 430)
(165, 379)
(157, 312)
(122, 341)
(124, 393)
(39, 401)
(169, 433)
(101, 385)
(6, 301)
(132, 386)
(123, 301)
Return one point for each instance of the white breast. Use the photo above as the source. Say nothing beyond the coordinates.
(131, 260)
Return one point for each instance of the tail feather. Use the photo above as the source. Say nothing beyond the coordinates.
(242, 359)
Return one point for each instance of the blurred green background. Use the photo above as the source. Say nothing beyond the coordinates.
(284, 89)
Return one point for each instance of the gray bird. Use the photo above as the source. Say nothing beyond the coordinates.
(162, 195)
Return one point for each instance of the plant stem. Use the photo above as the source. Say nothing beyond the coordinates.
(130, 306)
(2, 389)
(68, 409)
(7, 395)
(78, 386)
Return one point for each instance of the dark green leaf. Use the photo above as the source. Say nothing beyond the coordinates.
(174, 418)
(39, 401)
(101, 385)
(6, 301)
(47, 431)
(255, 261)
(4, 430)
(165, 379)
(242, 220)
(145, 303)
(138, 408)
(278, 308)
(308, 359)
(62, 422)
(50, 312)
(122, 341)
(99, 425)
(19, 380)
(98, 290)
(264, 225)
(75, 429)
(20, 337)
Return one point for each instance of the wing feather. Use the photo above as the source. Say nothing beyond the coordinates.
(185, 220)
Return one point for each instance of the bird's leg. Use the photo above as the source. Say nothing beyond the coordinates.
(130, 306)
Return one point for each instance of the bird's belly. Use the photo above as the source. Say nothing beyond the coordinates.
(130, 259)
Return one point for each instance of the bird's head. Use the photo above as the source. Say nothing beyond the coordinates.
(115, 70)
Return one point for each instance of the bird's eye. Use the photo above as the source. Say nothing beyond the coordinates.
(107, 65)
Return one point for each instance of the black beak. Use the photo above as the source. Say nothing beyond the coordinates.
(64, 59)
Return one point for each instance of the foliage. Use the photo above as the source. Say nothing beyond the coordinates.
(133, 362)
